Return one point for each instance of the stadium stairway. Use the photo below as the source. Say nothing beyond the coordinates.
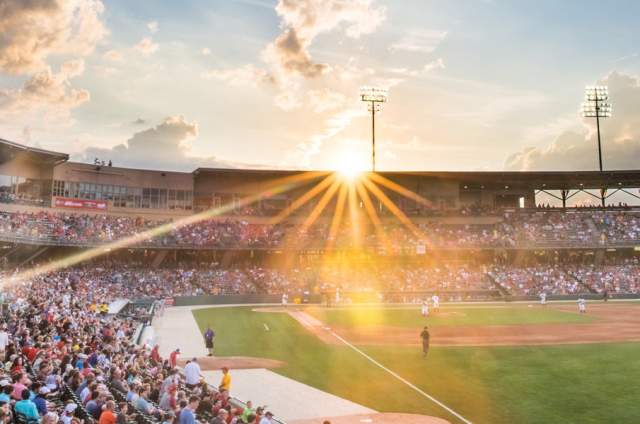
(33, 256)
(581, 282)
(504, 292)
(158, 258)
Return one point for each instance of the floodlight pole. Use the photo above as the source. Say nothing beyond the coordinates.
(373, 97)
(599, 144)
(596, 105)
(373, 136)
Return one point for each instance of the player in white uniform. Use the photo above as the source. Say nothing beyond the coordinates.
(424, 310)
(543, 298)
(285, 299)
(582, 305)
(436, 302)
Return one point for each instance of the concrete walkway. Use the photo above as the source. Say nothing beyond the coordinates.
(177, 328)
(288, 399)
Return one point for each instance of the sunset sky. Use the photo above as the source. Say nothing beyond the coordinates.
(473, 85)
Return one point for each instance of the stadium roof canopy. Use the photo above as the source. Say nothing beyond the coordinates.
(533, 180)
(10, 151)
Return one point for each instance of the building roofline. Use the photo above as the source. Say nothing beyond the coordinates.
(58, 155)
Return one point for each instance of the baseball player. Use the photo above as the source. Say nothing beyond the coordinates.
(543, 299)
(425, 336)
(424, 310)
(436, 302)
(285, 299)
(582, 305)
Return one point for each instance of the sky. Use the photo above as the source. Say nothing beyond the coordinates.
(473, 85)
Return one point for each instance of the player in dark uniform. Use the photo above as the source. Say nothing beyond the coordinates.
(209, 336)
(425, 340)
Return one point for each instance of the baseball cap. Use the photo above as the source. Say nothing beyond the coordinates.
(44, 390)
(70, 407)
(4, 382)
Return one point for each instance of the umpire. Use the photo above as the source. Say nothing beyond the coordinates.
(425, 341)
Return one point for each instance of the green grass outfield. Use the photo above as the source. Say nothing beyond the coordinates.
(592, 383)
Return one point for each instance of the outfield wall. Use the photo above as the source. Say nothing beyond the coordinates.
(368, 298)
(236, 299)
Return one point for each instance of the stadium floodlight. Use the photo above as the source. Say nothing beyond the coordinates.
(374, 97)
(596, 105)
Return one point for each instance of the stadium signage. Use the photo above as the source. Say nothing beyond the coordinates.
(63, 202)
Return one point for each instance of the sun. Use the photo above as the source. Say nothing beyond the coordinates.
(350, 167)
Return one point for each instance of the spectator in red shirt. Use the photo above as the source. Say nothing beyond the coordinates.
(107, 416)
(173, 358)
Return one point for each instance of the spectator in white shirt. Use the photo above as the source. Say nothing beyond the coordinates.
(192, 373)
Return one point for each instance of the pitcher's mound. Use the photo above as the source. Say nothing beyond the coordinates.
(381, 418)
(209, 363)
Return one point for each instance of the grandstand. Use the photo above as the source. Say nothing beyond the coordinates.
(82, 236)
(51, 208)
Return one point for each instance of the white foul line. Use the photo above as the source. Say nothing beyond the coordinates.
(408, 383)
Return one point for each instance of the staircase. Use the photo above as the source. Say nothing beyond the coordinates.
(504, 292)
(582, 283)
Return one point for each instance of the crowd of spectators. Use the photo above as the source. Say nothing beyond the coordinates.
(533, 280)
(617, 225)
(66, 360)
(513, 228)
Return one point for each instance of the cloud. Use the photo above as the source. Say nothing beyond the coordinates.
(325, 100)
(287, 58)
(419, 40)
(33, 30)
(577, 149)
(429, 67)
(153, 26)
(247, 75)
(290, 54)
(164, 146)
(146, 46)
(113, 55)
(303, 20)
(45, 92)
(433, 65)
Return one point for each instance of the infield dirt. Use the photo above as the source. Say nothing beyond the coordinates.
(614, 323)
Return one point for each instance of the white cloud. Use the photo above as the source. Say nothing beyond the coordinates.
(288, 99)
(325, 100)
(153, 26)
(106, 71)
(45, 94)
(433, 65)
(33, 30)
(247, 75)
(113, 55)
(167, 145)
(577, 149)
(419, 40)
(304, 20)
(287, 59)
(146, 46)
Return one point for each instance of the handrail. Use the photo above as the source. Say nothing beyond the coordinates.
(566, 244)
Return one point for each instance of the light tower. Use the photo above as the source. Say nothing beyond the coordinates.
(596, 105)
(374, 97)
